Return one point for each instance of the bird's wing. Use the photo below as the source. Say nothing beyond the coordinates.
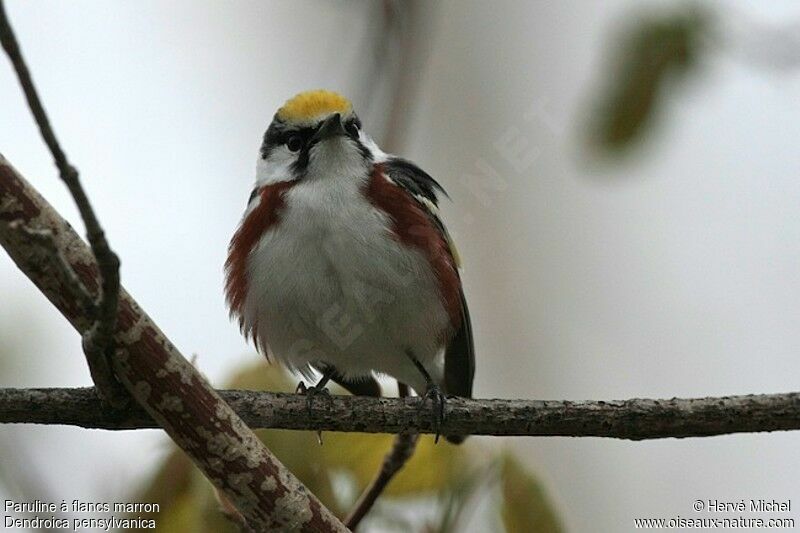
(413, 179)
(459, 362)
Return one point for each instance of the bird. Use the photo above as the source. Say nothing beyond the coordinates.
(341, 264)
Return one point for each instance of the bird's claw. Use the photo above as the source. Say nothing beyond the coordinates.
(311, 393)
(438, 400)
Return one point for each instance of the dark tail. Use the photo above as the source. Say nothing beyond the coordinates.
(459, 363)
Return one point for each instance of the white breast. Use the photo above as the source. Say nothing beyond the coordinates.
(330, 283)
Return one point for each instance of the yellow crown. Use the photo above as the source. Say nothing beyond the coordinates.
(312, 104)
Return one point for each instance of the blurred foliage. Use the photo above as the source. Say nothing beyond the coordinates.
(525, 506)
(654, 55)
(442, 475)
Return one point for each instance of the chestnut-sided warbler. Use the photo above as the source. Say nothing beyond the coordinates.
(341, 263)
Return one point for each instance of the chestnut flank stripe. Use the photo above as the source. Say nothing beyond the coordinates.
(413, 226)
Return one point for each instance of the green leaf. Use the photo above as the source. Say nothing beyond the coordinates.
(179, 516)
(655, 54)
(431, 468)
(263, 376)
(525, 506)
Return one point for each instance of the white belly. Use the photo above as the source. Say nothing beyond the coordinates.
(330, 283)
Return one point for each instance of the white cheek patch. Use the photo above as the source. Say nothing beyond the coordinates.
(276, 167)
(378, 155)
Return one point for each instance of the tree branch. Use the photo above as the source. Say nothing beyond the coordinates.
(98, 341)
(635, 419)
(161, 380)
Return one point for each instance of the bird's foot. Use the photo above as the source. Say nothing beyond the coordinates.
(312, 393)
(438, 400)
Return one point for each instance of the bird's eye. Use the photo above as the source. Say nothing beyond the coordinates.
(294, 143)
(352, 128)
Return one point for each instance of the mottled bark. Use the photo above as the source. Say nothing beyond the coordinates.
(165, 385)
(634, 419)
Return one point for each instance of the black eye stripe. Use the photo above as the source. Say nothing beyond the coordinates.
(303, 133)
(352, 126)
(278, 134)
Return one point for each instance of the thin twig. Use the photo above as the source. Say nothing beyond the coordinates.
(635, 419)
(402, 450)
(98, 343)
(165, 385)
